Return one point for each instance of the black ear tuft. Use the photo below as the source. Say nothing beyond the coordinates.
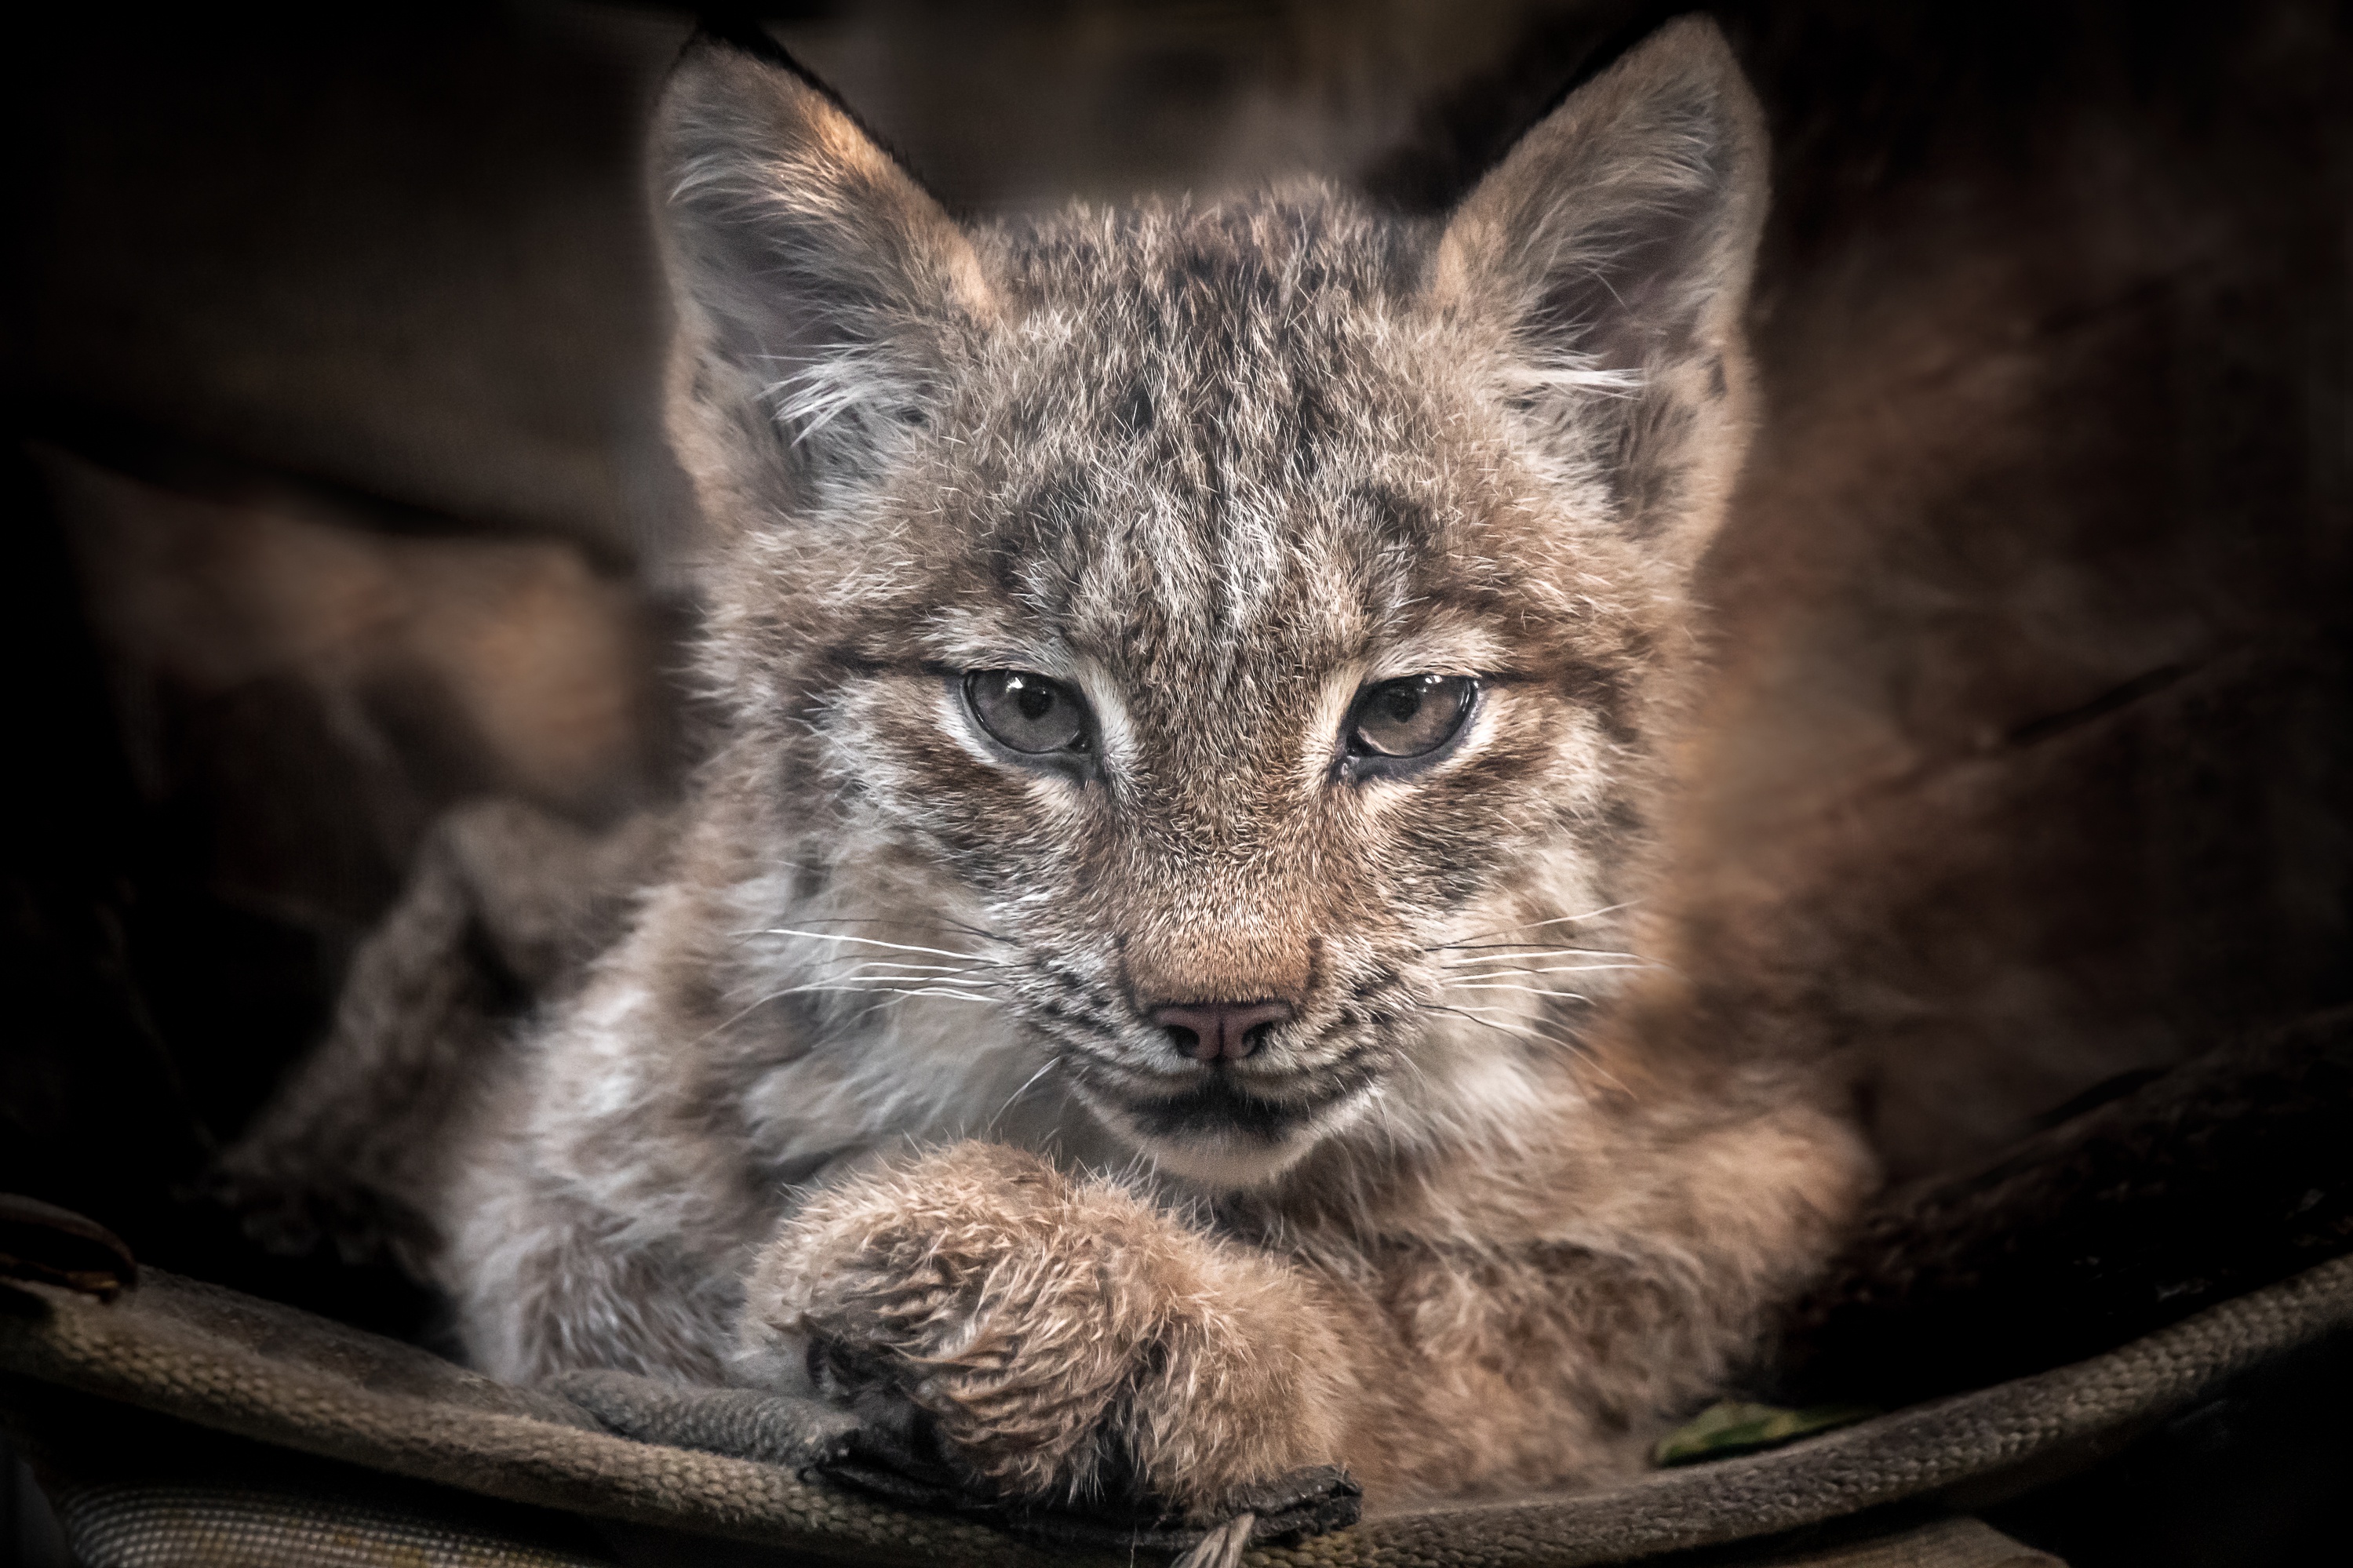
(741, 32)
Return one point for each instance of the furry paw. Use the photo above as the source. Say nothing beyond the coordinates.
(1069, 1342)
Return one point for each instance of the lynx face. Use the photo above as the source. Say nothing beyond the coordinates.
(1252, 614)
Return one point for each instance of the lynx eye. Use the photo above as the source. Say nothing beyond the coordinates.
(1409, 718)
(1026, 711)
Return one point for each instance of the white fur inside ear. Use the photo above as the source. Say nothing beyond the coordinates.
(1525, 380)
(852, 412)
(818, 288)
(848, 380)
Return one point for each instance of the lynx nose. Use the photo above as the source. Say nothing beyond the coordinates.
(1220, 1031)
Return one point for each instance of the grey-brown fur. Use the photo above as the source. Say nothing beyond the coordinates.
(504, 906)
(875, 1071)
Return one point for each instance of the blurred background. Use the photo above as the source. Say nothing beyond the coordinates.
(337, 495)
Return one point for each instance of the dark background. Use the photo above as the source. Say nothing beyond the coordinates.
(337, 495)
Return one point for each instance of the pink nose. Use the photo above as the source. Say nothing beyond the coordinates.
(1219, 1031)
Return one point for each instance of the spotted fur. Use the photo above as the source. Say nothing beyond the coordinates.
(874, 1084)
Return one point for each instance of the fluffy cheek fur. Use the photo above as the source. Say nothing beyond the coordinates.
(1068, 1341)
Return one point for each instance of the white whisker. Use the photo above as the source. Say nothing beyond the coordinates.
(1531, 990)
(891, 991)
(1538, 925)
(1506, 951)
(892, 969)
(1527, 1032)
(1051, 1062)
(869, 941)
(1540, 969)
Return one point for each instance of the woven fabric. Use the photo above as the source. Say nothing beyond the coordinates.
(185, 1526)
(794, 1432)
(209, 1357)
(206, 1355)
(205, 1527)
(1923, 1450)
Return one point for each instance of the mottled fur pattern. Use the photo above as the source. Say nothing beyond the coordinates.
(873, 1086)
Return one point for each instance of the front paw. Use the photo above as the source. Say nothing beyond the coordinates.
(1069, 1342)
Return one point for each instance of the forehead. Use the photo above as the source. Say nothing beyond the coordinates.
(1207, 433)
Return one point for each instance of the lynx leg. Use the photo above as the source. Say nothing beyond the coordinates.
(1070, 1340)
(543, 1281)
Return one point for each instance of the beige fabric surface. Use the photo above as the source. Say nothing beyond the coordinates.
(183, 1527)
(224, 1362)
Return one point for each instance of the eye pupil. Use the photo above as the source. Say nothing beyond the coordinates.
(1411, 718)
(1026, 711)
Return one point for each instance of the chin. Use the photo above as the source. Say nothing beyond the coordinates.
(1202, 1139)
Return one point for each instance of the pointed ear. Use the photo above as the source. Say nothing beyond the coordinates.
(821, 295)
(1612, 252)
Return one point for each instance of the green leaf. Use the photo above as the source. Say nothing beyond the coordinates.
(1725, 1429)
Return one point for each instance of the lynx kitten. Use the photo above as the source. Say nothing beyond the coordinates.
(1145, 974)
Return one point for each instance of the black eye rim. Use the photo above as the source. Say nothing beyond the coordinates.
(1078, 758)
(1358, 763)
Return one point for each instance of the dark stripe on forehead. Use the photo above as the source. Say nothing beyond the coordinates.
(1034, 539)
(1262, 249)
(1169, 446)
(1398, 516)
